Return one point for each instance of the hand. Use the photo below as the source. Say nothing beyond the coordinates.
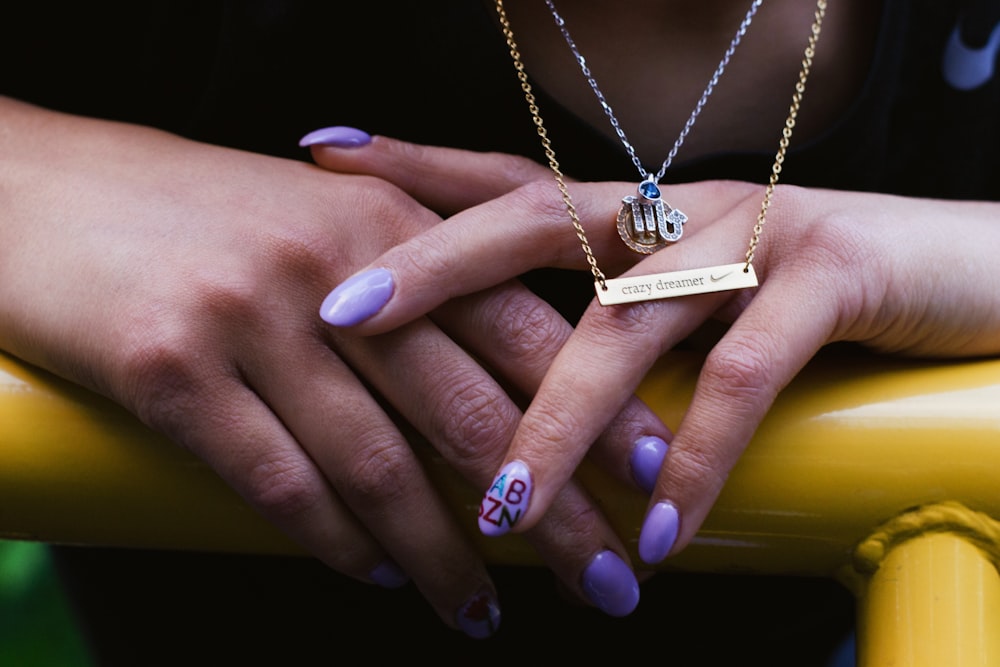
(182, 280)
(898, 275)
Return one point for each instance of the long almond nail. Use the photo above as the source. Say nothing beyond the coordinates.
(611, 585)
(479, 618)
(646, 461)
(338, 136)
(357, 298)
(659, 532)
(388, 574)
(506, 501)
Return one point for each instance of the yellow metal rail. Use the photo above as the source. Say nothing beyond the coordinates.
(932, 594)
(881, 473)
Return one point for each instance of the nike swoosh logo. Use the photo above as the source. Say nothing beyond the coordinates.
(715, 279)
(966, 68)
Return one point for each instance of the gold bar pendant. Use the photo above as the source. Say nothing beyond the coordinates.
(676, 283)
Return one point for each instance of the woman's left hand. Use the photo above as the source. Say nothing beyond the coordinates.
(900, 275)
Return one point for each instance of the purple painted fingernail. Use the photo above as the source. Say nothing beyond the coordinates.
(646, 461)
(610, 584)
(506, 501)
(357, 298)
(388, 575)
(479, 618)
(659, 532)
(338, 136)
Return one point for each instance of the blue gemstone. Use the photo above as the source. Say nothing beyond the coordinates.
(649, 190)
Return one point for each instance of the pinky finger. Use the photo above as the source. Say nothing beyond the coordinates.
(268, 467)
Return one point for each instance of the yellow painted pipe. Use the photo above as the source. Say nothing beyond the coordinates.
(853, 449)
(933, 601)
(855, 440)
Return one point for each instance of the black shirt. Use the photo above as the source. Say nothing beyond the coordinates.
(259, 74)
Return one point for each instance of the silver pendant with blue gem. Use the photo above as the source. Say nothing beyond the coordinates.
(646, 222)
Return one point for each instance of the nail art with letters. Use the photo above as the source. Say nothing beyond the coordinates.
(506, 501)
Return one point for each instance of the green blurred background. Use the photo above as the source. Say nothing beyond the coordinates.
(37, 627)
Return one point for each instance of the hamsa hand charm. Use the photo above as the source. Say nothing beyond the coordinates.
(646, 223)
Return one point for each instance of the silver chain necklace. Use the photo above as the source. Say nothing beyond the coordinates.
(646, 222)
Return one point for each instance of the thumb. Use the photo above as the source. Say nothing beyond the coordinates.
(445, 180)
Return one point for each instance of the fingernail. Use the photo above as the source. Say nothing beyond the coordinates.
(479, 618)
(610, 584)
(388, 575)
(338, 136)
(659, 532)
(506, 501)
(646, 461)
(357, 298)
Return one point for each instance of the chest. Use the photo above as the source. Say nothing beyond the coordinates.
(655, 64)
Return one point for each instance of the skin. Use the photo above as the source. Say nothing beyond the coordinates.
(212, 338)
(833, 266)
(686, 40)
(129, 266)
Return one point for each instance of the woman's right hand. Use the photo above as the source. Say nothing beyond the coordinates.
(182, 281)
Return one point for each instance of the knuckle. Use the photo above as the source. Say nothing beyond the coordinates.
(379, 473)
(524, 327)
(740, 370)
(227, 301)
(541, 198)
(829, 240)
(471, 418)
(424, 259)
(694, 468)
(384, 213)
(377, 199)
(632, 321)
(515, 169)
(407, 152)
(162, 379)
(283, 490)
(624, 328)
(830, 250)
(301, 258)
(171, 361)
(832, 241)
(548, 432)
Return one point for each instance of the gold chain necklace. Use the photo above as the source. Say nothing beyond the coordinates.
(674, 283)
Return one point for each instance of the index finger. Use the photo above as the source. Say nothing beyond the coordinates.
(500, 239)
(596, 370)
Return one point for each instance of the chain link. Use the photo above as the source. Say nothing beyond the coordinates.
(786, 131)
(550, 154)
(779, 159)
(643, 173)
